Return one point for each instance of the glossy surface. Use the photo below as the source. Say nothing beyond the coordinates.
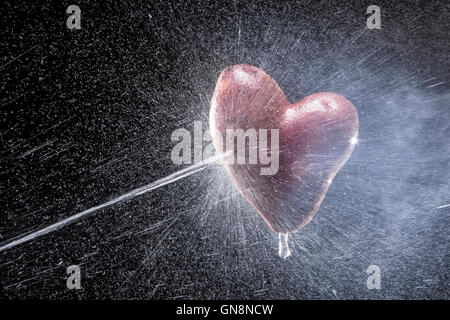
(316, 137)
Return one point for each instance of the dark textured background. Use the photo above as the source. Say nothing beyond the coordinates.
(87, 115)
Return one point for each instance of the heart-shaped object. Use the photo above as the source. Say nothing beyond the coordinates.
(316, 137)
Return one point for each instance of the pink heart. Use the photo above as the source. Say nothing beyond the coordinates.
(316, 137)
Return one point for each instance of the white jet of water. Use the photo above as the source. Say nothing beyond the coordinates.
(133, 193)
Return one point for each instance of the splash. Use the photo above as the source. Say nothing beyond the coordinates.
(127, 196)
(283, 245)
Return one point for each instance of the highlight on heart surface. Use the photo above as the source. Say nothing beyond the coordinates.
(310, 140)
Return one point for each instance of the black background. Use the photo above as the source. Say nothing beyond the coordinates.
(87, 115)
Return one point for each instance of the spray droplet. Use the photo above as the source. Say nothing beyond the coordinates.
(283, 245)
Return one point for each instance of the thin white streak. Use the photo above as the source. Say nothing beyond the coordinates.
(136, 192)
(436, 84)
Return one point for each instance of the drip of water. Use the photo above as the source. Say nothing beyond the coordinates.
(283, 245)
(133, 193)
